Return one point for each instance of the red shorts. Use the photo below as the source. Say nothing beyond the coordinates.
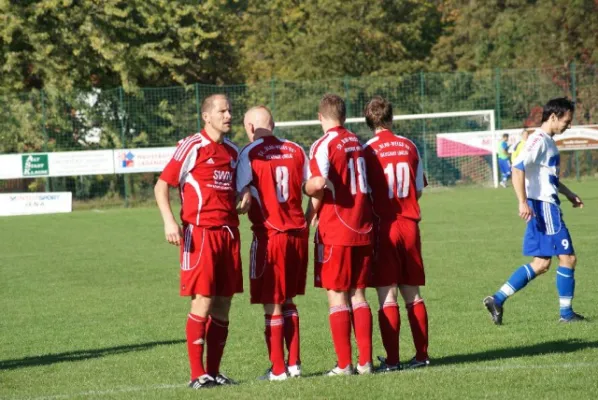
(211, 261)
(278, 266)
(397, 254)
(342, 268)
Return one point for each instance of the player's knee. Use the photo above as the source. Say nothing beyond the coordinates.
(358, 296)
(569, 261)
(221, 307)
(541, 265)
(409, 293)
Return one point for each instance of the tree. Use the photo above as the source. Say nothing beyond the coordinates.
(67, 44)
(316, 39)
(516, 34)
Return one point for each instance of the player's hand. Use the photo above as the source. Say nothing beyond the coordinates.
(314, 221)
(173, 233)
(575, 200)
(525, 212)
(245, 202)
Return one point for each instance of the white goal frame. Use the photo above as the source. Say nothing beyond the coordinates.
(488, 113)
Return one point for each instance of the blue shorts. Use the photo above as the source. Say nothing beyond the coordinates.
(505, 166)
(546, 234)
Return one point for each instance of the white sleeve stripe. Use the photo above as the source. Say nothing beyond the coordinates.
(369, 142)
(306, 171)
(185, 145)
(321, 154)
(315, 145)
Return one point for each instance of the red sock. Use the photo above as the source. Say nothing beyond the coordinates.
(418, 319)
(195, 330)
(217, 332)
(362, 316)
(274, 334)
(291, 333)
(340, 327)
(390, 326)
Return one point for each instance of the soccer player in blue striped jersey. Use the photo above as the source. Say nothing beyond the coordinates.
(536, 183)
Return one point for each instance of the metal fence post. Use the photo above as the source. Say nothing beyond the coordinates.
(47, 180)
(198, 107)
(422, 93)
(347, 87)
(574, 122)
(273, 95)
(123, 139)
(497, 99)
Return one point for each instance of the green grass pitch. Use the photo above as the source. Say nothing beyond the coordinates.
(90, 309)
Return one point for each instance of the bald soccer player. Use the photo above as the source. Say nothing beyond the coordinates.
(273, 170)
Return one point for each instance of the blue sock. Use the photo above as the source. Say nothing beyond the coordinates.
(516, 282)
(565, 285)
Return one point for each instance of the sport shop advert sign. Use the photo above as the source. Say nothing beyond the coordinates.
(35, 203)
(129, 161)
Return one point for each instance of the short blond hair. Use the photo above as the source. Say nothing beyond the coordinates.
(333, 106)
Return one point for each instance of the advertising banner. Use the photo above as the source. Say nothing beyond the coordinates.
(75, 163)
(480, 143)
(35, 203)
(128, 161)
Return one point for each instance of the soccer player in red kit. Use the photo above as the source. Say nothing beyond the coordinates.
(396, 177)
(343, 248)
(274, 170)
(203, 168)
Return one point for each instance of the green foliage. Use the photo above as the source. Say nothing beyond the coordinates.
(516, 33)
(68, 44)
(317, 39)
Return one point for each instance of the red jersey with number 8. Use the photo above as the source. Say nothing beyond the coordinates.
(345, 217)
(396, 174)
(274, 169)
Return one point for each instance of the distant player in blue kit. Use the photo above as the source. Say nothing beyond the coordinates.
(504, 164)
(536, 183)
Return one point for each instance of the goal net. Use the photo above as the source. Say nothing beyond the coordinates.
(456, 148)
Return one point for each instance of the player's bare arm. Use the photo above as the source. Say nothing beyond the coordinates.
(572, 197)
(172, 230)
(518, 177)
(311, 213)
(314, 187)
(243, 200)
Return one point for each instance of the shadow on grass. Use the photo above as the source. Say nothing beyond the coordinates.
(79, 355)
(552, 347)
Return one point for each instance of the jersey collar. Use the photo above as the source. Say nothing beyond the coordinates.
(335, 128)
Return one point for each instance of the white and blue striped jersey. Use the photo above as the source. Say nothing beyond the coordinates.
(540, 160)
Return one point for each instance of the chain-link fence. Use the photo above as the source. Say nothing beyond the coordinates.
(44, 121)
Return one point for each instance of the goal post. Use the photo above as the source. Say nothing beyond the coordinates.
(463, 141)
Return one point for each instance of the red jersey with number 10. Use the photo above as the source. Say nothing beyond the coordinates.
(345, 217)
(274, 169)
(395, 174)
(204, 172)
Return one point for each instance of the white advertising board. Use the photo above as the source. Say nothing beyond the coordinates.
(480, 143)
(128, 161)
(76, 163)
(35, 203)
(10, 166)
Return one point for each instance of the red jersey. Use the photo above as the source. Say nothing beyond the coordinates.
(204, 172)
(395, 174)
(274, 169)
(345, 217)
